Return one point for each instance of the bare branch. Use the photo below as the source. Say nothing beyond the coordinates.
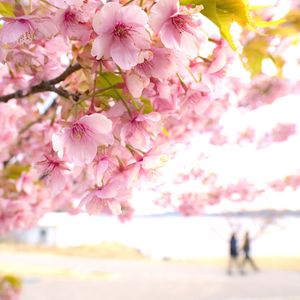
(47, 86)
(71, 69)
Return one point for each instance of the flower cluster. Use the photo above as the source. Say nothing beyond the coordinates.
(93, 93)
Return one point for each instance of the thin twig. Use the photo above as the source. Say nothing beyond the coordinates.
(46, 86)
(40, 118)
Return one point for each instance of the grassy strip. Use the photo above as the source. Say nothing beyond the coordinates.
(119, 251)
(103, 250)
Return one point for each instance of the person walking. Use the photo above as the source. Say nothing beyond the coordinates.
(233, 253)
(246, 247)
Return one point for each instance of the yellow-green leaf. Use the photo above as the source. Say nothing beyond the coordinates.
(6, 9)
(107, 80)
(165, 132)
(226, 12)
(254, 52)
(15, 171)
(290, 27)
(265, 24)
(147, 106)
(13, 281)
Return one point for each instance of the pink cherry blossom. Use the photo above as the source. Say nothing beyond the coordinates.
(10, 113)
(158, 63)
(191, 204)
(176, 29)
(139, 131)
(136, 83)
(127, 212)
(80, 139)
(263, 91)
(53, 170)
(71, 26)
(223, 56)
(25, 183)
(103, 166)
(293, 181)
(19, 31)
(25, 29)
(197, 98)
(103, 200)
(248, 135)
(283, 131)
(148, 166)
(121, 34)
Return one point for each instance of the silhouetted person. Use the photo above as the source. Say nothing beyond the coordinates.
(246, 247)
(233, 253)
(43, 236)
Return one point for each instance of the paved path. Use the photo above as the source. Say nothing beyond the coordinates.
(93, 279)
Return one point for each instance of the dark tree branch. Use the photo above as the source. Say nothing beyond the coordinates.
(71, 69)
(47, 86)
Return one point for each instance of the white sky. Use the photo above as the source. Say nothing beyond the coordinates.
(232, 163)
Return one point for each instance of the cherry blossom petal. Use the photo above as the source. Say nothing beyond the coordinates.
(161, 12)
(97, 123)
(80, 151)
(101, 46)
(110, 190)
(58, 144)
(170, 37)
(105, 20)
(124, 54)
(100, 169)
(115, 207)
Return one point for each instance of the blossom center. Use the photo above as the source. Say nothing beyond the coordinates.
(28, 35)
(23, 21)
(179, 22)
(145, 67)
(121, 30)
(78, 131)
(70, 17)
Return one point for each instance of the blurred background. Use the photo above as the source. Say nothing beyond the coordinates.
(162, 255)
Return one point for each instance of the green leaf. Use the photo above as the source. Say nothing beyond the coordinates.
(107, 80)
(15, 171)
(254, 52)
(6, 9)
(113, 93)
(147, 105)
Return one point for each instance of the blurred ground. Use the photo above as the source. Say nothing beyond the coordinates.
(103, 250)
(57, 277)
(121, 252)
